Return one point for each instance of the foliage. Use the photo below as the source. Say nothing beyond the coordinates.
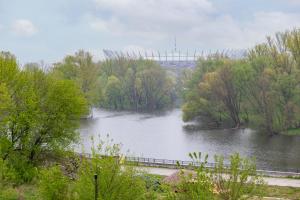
(8, 194)
(216, 95)
(275, 85)
(237, 181)
(136, 85)
(84, 72)
(196, 186)
(53, 185)
(114, 181)
(261, 90)
(16, 171)
(152, 182)
(119, 84)
(39, 114)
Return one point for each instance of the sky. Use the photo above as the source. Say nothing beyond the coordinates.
(48, 30)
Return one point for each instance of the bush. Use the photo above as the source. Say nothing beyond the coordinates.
(25, 172)
(17, 170)
(8, 194)
(53, 185)
(152, 182)
(115, 181)
(238, 180)
(194, 185)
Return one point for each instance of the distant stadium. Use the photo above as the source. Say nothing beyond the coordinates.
(175, 58)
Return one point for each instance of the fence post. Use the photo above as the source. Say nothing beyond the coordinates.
(96, 186)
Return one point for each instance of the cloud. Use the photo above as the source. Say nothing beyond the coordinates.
(294, 2)
(227, 32)
(268, 23)
(196, 22)
(137, 50)
(23, 27)
(149, 18)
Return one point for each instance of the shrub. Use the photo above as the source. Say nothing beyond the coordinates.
(24, 172)
(152, 182)
(8, 194)
(53, 185)
(196, 185)
(16, 171)
(238, 180)
(115, 181)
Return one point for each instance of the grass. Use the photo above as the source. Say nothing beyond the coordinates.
(292, 132)
(283, 192)
(30, 192)
(23, 192)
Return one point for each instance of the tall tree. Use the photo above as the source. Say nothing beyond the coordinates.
(142, 85)
(81, 69)
(43, 112)
(262, 90)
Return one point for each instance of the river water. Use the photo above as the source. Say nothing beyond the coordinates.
(163, 136)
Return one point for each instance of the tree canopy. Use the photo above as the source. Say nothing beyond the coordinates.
(39, 113)
(136, 85)
(120, 84)
(84, 72)
(261, 90)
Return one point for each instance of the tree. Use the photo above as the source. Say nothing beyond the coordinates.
(42, 115)
(81, 69)
(113, 92)
(154, 88)
(5, 103)
(261, 90)
(274, 88)
(142, 85)
(218, 94)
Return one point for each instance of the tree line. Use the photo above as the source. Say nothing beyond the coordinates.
(119, 84)
(261, 90)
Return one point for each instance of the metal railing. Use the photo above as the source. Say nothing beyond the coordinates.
(167, 163)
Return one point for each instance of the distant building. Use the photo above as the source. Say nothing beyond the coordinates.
(174, 59)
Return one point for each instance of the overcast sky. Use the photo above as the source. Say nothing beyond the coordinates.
(36, 30)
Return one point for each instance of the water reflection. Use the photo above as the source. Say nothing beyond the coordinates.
(162, 135)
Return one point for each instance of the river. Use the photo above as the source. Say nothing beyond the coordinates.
(162, 135)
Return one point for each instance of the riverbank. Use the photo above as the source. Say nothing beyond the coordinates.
(292, 132)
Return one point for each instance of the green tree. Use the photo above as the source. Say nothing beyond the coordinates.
(84, 71)
(261, 90)
(217, 95)
(113, 93)
(143, 85)
(5, 104)
(41, 115)
(274, 87)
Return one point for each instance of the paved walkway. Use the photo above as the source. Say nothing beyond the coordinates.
(269, 180)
